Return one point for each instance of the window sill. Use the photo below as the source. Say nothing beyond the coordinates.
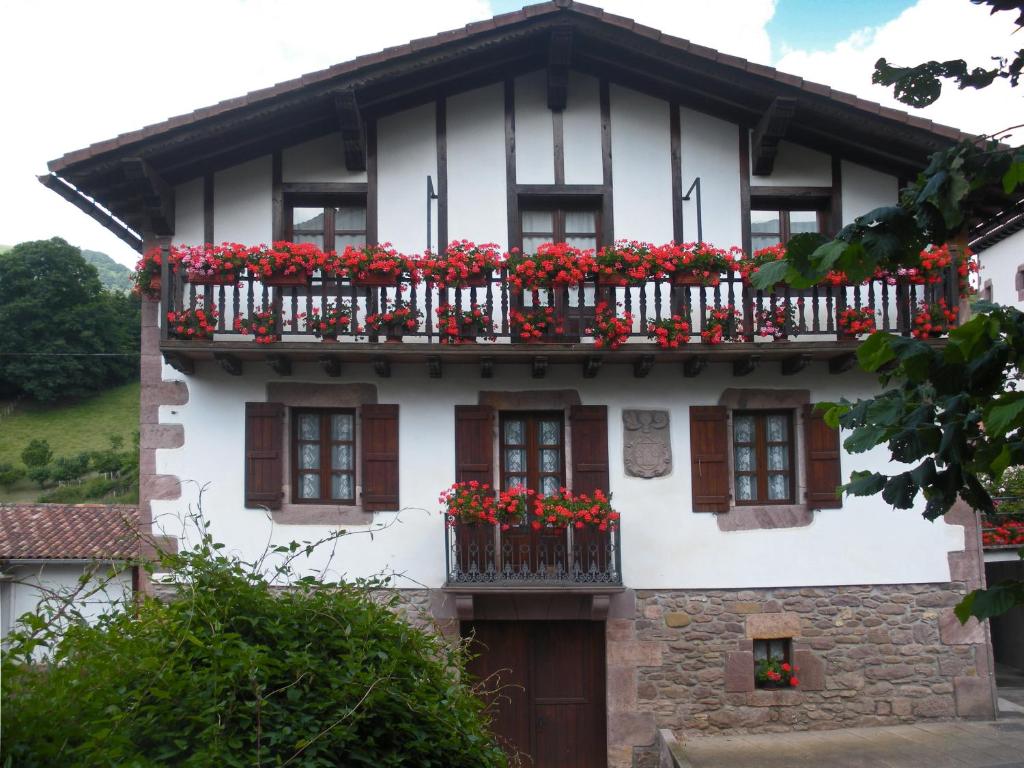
(769, 516)
(321, 514)
(777, 697)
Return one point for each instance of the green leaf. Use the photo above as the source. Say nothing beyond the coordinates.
(876, 351)
(1013, 177)
(865, 483)
(770, 274)
(900, 491)
(865, 438)
(985, 603)
(1004, 414)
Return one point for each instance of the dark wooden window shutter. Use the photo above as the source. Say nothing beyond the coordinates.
(264, 468)
(709, 458)
(380, 457)
(823, 465)
(589, 448)
(474, 443)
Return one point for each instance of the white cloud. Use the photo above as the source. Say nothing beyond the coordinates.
(930, 29)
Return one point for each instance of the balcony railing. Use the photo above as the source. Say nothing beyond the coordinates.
(814, 311)
(485, 556)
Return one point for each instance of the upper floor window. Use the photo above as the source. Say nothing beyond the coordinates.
(327, 226)
(770, 226)
(533, 451)
(763, 457)
(578, 225)
(324, 456)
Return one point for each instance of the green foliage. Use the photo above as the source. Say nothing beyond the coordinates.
(37, 454)
(10, 474)
(39, 475)
(68, 468)
(113, 276)
(1008, 493)
(119, 490)
(235, 673)
(64, 337)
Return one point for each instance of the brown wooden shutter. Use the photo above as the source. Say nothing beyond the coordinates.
(823, 465)
(264, 468)
(380, 457)
(709, 458)
(589, 448)
(474, 443)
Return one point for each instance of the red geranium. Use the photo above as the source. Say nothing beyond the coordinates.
(264, 324)
(192, 323)
(932, 320)
(628, 262)
(374, 261)
(330, 321)
(854, 322)
(554, 265)
(285, 258)
(224, 261)
(702, 260)
(669, 333)
(721, 324)
(609, 329)
(456, 326)
(462, 261)
(564, 510)
(535, 323)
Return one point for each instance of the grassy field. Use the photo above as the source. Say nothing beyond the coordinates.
(72, 428)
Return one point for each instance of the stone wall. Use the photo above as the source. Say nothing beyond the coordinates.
(878, 655)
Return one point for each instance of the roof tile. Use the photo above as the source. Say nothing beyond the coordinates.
(68, 532)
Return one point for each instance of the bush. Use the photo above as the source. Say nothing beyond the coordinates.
(10, 474)
(68, 468)
(37, 454)
(95, 489)
(39, 475)
(236, 673)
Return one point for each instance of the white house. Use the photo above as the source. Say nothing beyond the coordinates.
(559, 123)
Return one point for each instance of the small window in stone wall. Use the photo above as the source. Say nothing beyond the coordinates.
(773, 664)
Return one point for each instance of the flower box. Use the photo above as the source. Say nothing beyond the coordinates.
(300, 279)
(689, 278)
(613, 280)
(375, 280)
(462, 326)
(464, 264)
(217, 279)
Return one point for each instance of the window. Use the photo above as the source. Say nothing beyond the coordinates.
(323, 456)
(329, 226)
(777, 224)
(779, 649)
(578, 225)
(763, 457)
(533, 451)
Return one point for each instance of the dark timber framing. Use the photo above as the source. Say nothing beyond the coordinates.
(770, 130)
(745, 188)
(676, 159)
(353, 130)
(155, 197)
(441, 123)
(208, 188)
(277, 196)
(371, 183)
(608, 213)
(92, 209)
(515, 239)
(559, 56)
(558, 136)
(836, 223)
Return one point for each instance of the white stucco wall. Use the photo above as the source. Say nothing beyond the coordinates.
(796, 166)
(319, 160)
(665, 544)
(535, 138)
(999, 264)
(188, 212)
(581, 124)
(864, 189)
(641, 171)
(242, 200)
(406, 155)
(475, 124)
(710, 150)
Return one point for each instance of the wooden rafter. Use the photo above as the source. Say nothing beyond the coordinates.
(769, 132)
(353, 129)
(559, 56)
(86, 205)
(156, 196)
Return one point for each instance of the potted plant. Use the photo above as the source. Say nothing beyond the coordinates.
(328, 322)
(852, 322)
(192, 323)
(394, 321)
(473, 509)
(146, 277)
(934, 319)
(749, 266)
(776, 673)
(699, 264)
(554, 265)
(628, 262)
(287, 264)
(777, 320)
(609, 330)
(594, 520)
(462, 326)
(374, 266)
(669, 333)
(534, 324)
(721, 324)
(210, 264)
(464, 264)
(264, 324)
(1002, 533)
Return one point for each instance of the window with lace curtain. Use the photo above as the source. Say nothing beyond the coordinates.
(763, 457)
(533, 451)
(324, 456)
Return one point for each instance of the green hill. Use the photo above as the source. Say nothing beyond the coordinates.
(114, 276)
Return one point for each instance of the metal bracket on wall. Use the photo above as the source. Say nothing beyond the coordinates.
(694, 190)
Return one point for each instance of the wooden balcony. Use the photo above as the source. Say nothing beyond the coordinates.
(813, 334)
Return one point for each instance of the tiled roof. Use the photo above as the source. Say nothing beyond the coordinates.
(498, 23)
(68, 532)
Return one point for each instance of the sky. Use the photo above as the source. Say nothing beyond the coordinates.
(78, 72)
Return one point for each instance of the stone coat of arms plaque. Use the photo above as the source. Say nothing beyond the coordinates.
(647, 447)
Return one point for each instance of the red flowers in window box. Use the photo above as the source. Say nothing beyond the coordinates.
(628, 262)
(330, 321)
(395, 320)
(554, 265)
(210, 264)
(1009, 533)
(463, 326)
(776, 321)
(581, 510)
(721, 324)
(146, 277)
(463, 264)
(374, 265)
(933, 320)
(286, 263)
(748, 266)
(610, 331)
(192, 323)
(853, 322)
(695, 263)
(473, 502)
(669, 333)
(775, 673)
(264, 324)
(535, 324)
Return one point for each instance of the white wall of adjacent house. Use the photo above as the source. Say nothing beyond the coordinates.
(999, 266)
(43, 586)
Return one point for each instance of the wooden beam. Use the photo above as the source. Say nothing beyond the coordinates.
(331, 366)
(676, 164)
(793, 365)
(559, 55)
(771, 129)
(281, 364)
(486, 367)
(434, 367)
(208, 221)
(745, 365)
(156, 195)
(180, 363)
(693, 366)
(382, 366)
(105, 218)
(608, 202)
(643, 366)
(842, 363)
(591, 365)
(539, 367)
(353, 129)
(229, 363)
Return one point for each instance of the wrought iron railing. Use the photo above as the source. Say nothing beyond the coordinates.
(813, 311)
(485, 556)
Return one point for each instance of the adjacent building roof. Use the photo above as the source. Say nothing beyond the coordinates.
(125, 174)
(68, 532)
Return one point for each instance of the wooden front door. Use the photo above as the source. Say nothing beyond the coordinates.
(547, 684)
